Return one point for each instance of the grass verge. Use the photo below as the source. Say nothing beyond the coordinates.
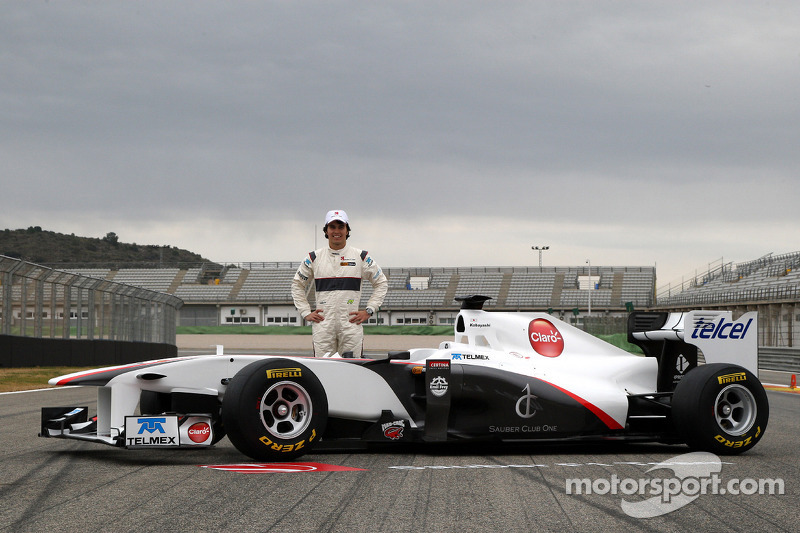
(16, 379)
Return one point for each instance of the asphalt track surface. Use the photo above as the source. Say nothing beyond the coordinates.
(54, 484)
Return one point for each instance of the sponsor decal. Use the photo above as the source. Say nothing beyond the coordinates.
(155, 431)
(281, 468)
(527, 404)
(545, 338)
(681, 364)
(439, 365)
(417, 370)
(522, 429)
(469, 356)
(284, 448)
(394, 430)
(151, 441)
(347, 263)
(280, 373)
(151, 425)
(720, 330)
(732, 378)
(439, 386)
(199, 432)
(304, 278)
(737, 443)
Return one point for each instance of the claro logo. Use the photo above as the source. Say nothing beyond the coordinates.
(545, 338)
(199, 432)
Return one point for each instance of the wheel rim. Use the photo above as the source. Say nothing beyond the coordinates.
(285, 410)
(735, 410)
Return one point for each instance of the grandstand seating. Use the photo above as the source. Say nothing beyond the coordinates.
(267, 286)
(531, 289)
(509, 287)
(760, 279)
(154, 279)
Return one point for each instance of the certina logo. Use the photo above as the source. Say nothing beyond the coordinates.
(199, 432)
(721, 330)
(732, 378)
(280, 373)
(545, 338)
(439, 365)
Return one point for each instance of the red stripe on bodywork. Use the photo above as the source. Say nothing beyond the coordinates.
(599, 413)
(116, 369)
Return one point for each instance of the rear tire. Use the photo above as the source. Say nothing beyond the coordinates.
(274, 410)
(720, 408)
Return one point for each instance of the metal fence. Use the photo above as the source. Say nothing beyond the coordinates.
(42, 302)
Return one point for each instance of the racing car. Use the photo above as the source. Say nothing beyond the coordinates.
(505, 377)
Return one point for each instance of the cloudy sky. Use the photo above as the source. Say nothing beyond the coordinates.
(454, 133)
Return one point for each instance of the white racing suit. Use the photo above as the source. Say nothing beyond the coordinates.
(336, 277)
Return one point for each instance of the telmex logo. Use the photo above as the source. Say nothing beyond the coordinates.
(722, 330)
(545, 338)
(151, 425)
(278, 373)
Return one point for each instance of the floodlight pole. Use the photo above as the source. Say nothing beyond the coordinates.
(540, 249)
(591, 286)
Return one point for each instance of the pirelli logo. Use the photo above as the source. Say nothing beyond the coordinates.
(280, 373)
(732, 378)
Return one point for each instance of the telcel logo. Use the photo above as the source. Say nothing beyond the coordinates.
(722, 330)
(545, 338)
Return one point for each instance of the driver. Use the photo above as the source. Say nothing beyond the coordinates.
(336, 272)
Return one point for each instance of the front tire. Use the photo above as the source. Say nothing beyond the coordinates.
(720, 408)
(274, 410)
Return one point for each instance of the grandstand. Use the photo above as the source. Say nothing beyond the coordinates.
(771, 278)
(769, 285)
(260, 294)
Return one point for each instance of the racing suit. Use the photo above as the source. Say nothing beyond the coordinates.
(336, 276)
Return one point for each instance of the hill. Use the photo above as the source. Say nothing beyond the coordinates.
(60, 250)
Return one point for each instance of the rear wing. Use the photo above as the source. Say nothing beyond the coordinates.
(720, 338)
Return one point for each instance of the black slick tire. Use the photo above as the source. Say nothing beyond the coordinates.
(720, 408)
(274, 410)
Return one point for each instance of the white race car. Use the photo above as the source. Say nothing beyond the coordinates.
(506, 377)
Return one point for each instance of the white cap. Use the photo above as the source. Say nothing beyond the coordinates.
(337, 214)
